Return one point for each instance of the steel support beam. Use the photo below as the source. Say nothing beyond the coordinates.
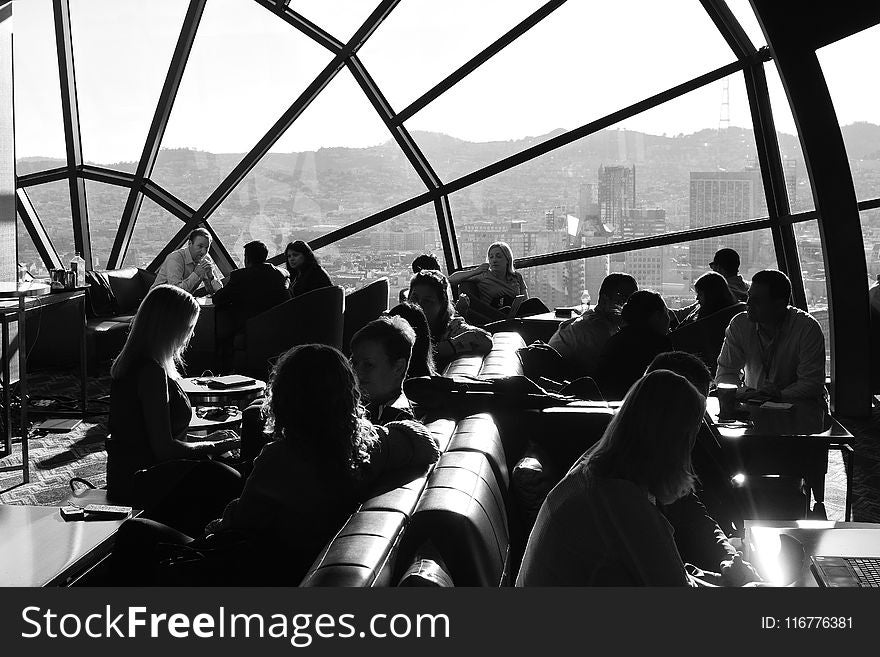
(157, 131)
(79, 209)
(40, 177)
(303, 24)
(447, 233)
(36, 230)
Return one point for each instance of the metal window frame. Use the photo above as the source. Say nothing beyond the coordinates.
(36, 230)
(79, 209)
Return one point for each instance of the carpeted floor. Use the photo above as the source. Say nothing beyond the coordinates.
(57, 457)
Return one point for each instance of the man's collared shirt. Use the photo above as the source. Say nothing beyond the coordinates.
(581, 340)
(794, 361)
(179, 269)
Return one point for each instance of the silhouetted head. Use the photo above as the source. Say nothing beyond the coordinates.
(425, 261)
(255, 253)
(380, 355)
(421, 363)
(646, 309)
(616, 288)
(713, 293)
(769, 295)
(725, 262)
(686, 365)
(649, 440)
(160, 331)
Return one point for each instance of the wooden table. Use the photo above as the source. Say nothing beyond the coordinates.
(782, 439)
(786, 561)
(39, 548)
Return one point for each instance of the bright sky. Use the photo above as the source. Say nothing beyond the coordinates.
(587, 59)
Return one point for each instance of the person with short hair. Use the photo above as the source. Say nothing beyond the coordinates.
(190, 267)
(425, 261)
(306, 272)
(773, 350)
(450, 334)
(421, 363)
(580, 340)
(629, 351)
(252, 289)
(380, 356)
(726, 262)
(601, 526)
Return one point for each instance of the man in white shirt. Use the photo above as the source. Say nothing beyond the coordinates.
(580, 341)
(190, 266)
(777, 349)
(780, 350)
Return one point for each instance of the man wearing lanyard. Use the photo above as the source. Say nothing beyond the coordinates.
(775, 352)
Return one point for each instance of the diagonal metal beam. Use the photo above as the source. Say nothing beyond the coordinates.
(729, 27)
(870, 204)
(594, 126)
(105, 175)
(156, 132)
(770, 161)
(40, 177)
(262, 147)
(36, 230)
(447, 233)
(478, 60)
(303, 24)
(79, 209)
(401, 135)
(168, 201)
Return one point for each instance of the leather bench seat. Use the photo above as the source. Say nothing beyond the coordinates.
(357, 556)
(501, 361)
(462, 515)
(478, 433)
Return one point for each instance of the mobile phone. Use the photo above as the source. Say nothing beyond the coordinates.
(72, 513)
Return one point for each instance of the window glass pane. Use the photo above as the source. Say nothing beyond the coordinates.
(641, 178)
(797, 181)
(857, 104)
(52, 205)
(245, 69)
(336, 164)
(813, 272)
(571, 69)
(871, 237)
(122, 50)
(28, 254)
(420, 43)
(743, 12)
(106, 204)
(341, 18)
(384, 250)
(154, 228)
(39, 129)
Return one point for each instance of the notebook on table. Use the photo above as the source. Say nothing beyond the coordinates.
(229, 381)
(836, 572)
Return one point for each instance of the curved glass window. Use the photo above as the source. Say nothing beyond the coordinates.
(154, 229)
(51, 202)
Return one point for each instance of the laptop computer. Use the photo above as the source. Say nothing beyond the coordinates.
(836, 572)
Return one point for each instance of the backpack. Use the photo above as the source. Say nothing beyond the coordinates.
(101, 299)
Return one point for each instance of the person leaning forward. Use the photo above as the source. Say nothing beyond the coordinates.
(191, 266)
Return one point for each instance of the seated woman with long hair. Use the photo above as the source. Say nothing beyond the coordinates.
(713, 294)
(450, 334)
(306, 273)
(150, 413)
(305, 483)
(421, 363)
(495, 284)
(600, 526)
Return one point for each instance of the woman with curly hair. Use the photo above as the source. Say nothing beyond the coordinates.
(325, 456)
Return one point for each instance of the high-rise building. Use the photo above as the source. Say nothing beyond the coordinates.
(617, 196)
(725, 197)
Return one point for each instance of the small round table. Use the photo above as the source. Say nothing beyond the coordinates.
(21, 291)
(196, 423)
(201, 395)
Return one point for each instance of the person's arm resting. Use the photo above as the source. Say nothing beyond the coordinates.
(810, 381)
(174, 272)
(732, 358)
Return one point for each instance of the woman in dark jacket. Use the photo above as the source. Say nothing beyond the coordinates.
(306, 273)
